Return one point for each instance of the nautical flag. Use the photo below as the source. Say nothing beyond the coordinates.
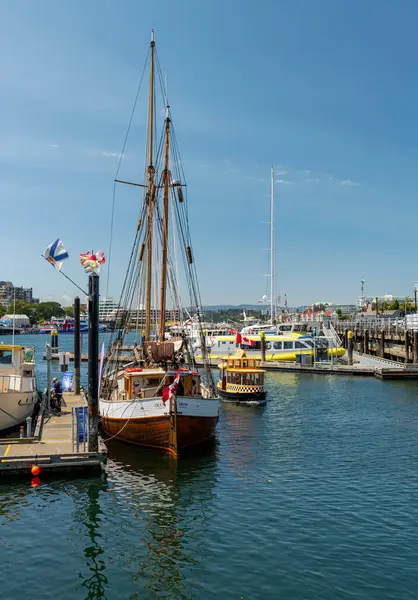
(91, 261)
(259, 302)
(56, 254)
(170, 390)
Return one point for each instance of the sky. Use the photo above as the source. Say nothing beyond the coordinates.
(326, 92)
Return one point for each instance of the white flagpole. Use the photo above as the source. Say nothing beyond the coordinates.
(14, 315)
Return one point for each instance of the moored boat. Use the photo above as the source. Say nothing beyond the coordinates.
(241, 380)
(159, 400)
(18, 393)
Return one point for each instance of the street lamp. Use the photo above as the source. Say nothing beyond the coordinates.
(415, 297)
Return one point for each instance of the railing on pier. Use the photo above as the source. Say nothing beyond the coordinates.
(79, 428)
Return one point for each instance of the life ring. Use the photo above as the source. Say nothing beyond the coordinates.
(134, 370)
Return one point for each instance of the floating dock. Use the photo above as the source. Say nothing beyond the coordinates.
(364, 366)
(53, 447)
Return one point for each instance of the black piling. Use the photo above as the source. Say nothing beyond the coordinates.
(350, 347)
(77, 348)
(93, 352)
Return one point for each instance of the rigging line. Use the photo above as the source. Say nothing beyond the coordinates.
(66, 276)
(117, 171)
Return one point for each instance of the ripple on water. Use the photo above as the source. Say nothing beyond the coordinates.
(314, 495)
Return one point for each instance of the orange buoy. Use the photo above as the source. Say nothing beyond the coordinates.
(35, 470)
(36, 482)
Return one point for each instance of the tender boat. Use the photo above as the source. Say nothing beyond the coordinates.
(159, 401)
(242, 379)
(18, 393)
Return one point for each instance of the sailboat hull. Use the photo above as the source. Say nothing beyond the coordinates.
(148, 423)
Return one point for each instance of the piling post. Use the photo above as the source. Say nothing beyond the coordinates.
(263, 346)
(415, 346)
(406, 346)
(366, 341)
(93, 372)
(77, 341)
(350, 347)
(382, 343)
(54, 341)
(346, 338)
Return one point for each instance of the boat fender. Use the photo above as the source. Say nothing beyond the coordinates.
(134, 370)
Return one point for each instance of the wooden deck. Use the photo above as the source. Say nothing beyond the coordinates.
(51, 447)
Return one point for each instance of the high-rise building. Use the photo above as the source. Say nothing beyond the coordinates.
(8, 292)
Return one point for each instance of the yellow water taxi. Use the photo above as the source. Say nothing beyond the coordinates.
(241, 379)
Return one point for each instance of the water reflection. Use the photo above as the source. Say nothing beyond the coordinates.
(97, 581)
(170, 506)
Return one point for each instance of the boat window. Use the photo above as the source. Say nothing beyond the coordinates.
(285, 328)
(28, 356)
(299, 345)
(277, 345)
(309, 343)
(6, 357)
(268, 345)
(288, 345)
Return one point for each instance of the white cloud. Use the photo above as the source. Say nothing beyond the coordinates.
(349, 182)
(284, 182)
(54, 146)
(281, 171)
(111, 154)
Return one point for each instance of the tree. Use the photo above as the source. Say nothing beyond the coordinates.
(69, 311)
(339, 314)
(46, 310)
(2, 311)
(19, 307)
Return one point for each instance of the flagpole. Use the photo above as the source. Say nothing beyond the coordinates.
(66, 276)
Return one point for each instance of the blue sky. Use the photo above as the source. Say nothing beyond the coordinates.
(326, 91)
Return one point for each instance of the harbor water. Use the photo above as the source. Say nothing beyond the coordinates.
(314, 496)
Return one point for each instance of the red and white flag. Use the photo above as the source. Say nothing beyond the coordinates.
(170, 390)
(91, 261)
(241, 339)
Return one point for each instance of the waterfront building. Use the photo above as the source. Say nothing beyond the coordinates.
(8, 292)
(107, 309)
(19, 320)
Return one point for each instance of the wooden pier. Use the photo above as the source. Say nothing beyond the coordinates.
(52, 446)
(388, 341)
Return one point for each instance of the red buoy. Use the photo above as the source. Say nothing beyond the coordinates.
(35, 470)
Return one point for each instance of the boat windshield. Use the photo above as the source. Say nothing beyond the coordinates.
(6, 357)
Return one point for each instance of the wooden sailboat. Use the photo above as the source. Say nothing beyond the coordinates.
(160, 400)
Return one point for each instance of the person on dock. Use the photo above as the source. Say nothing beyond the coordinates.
(57, 394)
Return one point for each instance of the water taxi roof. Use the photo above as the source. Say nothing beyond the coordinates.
(9, 347)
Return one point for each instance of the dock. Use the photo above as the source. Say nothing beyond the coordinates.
(364, 366)
(53, 445)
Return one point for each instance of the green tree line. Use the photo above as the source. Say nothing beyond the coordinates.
(37, 313)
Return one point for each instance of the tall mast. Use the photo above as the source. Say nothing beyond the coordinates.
(150, 195)
(165, 225)
(272, 265)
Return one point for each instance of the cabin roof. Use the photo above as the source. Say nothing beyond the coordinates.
(245, 370)
(146, 373)
(9, 347)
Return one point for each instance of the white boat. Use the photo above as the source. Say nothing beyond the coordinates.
(18, 393)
